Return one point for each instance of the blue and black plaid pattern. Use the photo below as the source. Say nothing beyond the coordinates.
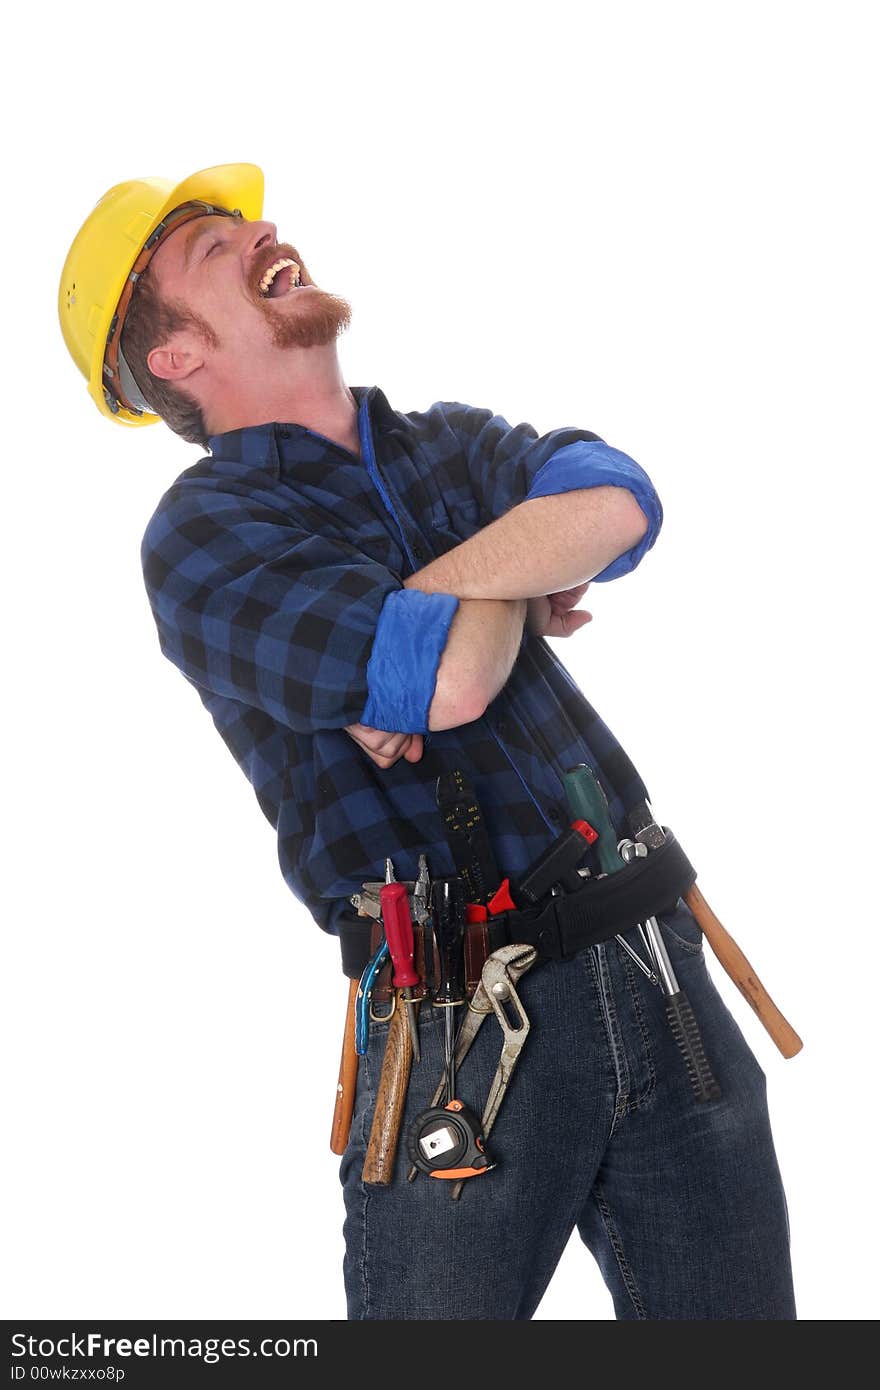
(267, 566)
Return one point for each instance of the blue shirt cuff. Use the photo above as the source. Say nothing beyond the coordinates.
(589, 463)
(411, 635)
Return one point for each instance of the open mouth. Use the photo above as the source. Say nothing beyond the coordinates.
(280, 278)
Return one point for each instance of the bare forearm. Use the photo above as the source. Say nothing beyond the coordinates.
(539, 547)
(483, 642)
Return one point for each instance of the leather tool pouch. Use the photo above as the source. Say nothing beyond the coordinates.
(558, 928)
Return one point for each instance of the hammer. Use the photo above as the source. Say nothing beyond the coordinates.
(648, 832)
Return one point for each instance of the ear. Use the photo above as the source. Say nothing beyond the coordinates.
(178, 358)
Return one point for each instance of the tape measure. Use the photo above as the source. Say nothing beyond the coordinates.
(446, 1141)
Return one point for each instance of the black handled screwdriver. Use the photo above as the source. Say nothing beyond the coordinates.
(448, 902)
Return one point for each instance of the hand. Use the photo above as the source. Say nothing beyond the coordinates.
(386, 748)
(552, 615)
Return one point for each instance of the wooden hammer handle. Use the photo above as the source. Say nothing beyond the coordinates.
(347, 1083)
(390, 1098)
(742, 974)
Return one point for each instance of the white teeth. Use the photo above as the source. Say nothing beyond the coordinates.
(269, 275)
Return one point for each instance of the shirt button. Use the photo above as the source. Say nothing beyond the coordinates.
(285, 434)
(418, 550)
(554, 814)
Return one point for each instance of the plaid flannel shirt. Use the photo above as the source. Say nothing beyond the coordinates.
(274, 570)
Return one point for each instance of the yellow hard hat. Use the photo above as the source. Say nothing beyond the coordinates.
(110, 252)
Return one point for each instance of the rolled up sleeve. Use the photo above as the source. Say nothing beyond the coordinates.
(305, 627)
(596, 464)
(411, 635)
(509, 464)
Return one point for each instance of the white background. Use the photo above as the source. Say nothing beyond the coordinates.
(653, 221)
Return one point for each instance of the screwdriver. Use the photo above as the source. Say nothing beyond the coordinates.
(449, 905)
(398, 926)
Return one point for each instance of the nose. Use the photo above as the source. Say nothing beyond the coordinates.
(261, 234)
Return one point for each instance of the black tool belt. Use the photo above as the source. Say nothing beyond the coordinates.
(561, 926)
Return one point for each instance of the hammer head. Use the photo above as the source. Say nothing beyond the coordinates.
(644, 827)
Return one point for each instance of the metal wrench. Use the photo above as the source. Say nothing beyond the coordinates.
(497, 985)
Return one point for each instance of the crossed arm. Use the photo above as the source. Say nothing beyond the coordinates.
(265, 611)
(531, 566)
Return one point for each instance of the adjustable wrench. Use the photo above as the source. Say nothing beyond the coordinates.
(497, 987)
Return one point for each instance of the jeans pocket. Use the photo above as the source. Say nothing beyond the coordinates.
(681, 929)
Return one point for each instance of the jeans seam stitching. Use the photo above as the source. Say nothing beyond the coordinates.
(365, 1284)
(690, 946)
(615, 1040)
(639, 1100)
(694, 948)
(617, 1247)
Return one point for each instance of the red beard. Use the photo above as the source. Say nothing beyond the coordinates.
(314, 323)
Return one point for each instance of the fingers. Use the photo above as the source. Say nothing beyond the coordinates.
(416, 748)
(408, 746)
(385, 748)
(565, 624)
(567, 598)
(554, 615)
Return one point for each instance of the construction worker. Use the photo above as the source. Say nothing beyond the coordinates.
(361, 597)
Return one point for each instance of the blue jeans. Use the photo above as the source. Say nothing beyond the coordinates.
(680, 1202)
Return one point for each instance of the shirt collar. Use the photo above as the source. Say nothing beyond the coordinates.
(267, 445)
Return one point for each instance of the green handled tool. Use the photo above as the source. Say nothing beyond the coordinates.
(587, 801)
